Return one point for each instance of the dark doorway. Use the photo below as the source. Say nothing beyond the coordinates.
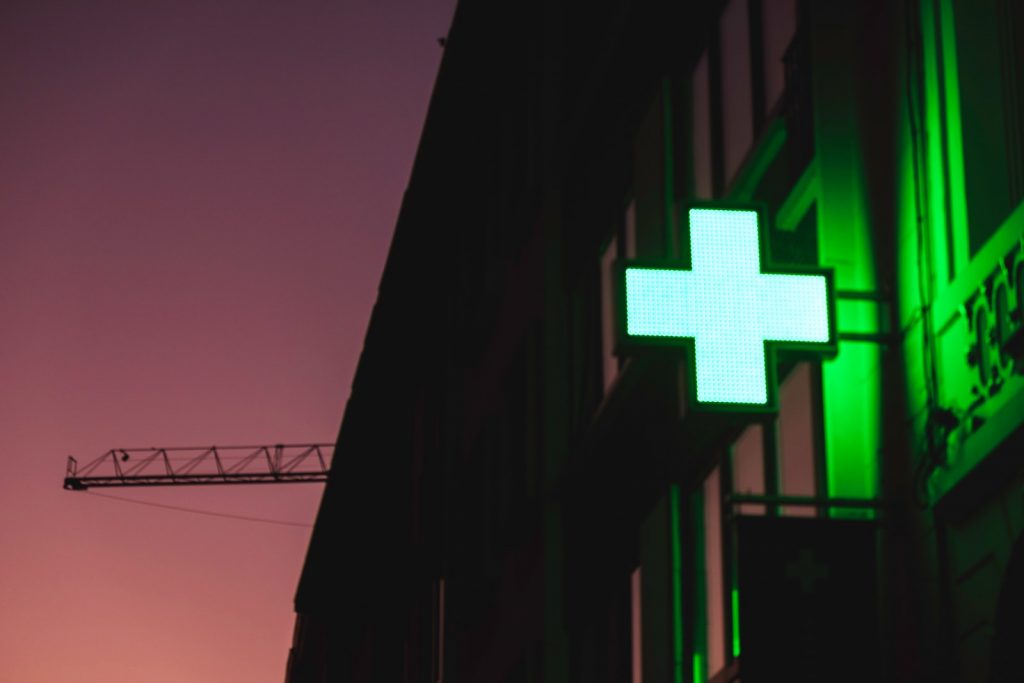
(1009, 623)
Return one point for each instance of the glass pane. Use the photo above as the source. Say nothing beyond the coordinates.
(737, 105)
(630, 250)
(983, 116)
(713, 573)
(609, 361)
(779, 27)
(702, 187)
(635, 596)
(438, 654)
(748, 467)
(796, 439)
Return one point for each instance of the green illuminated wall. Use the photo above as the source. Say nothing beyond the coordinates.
(956, 248)
(946, 271)
(850, 382)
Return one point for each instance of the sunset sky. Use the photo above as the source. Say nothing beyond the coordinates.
(196, 199)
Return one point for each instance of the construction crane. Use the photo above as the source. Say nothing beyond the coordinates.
(179, 466)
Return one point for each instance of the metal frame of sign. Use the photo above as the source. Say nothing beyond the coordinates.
(627, 344)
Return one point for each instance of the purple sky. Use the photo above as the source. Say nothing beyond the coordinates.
(196, 199)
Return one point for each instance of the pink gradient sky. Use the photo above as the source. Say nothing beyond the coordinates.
(196, 199)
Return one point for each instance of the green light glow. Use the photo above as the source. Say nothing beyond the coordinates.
(851, 383)
(852, 387)
(735, 622)
(727, 306)
(698, 668)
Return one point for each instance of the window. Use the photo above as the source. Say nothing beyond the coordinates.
(609, 361)
(748, 468)
(737, 83)
(778, 26)
(782, 457)
(778, 457)
(703, 186)
(636, 630)
(653, 178)
(797, 466)
(437, 651)
(623, 242)
(737, 105)
(989, 47)
(714, 607)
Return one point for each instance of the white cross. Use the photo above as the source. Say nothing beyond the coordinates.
(727, 305)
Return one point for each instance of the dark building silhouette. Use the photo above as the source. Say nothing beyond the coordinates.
(513, 500)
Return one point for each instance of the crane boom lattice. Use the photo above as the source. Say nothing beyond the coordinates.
(182, 466)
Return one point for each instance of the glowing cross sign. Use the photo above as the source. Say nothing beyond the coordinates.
(727, 311)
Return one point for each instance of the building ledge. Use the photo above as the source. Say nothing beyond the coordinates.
(985, 461)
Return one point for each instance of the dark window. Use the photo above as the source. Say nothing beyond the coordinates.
(737, 89)
(778, 26)
(703, 185)
(990, 110)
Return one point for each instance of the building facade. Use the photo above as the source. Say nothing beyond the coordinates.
(516, 498)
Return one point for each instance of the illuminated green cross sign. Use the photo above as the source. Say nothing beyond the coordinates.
(728, 311)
